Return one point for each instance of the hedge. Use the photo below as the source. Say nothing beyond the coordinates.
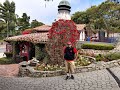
(6, 60)
(97, 46)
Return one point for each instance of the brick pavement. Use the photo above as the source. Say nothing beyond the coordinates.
(9, 70)
(96, 80)
(116, 71)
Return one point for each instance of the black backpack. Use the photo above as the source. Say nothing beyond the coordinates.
(69, 53)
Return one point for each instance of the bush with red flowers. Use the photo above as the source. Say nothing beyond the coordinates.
(60, 33)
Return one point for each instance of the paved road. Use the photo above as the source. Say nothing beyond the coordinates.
(96, 80)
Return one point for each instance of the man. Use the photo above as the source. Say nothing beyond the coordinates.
(70, 54)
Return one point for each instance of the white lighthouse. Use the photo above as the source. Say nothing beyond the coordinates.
(64, 10)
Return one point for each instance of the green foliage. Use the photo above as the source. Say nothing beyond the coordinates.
(2, 25)
(97, 46)
(40, 52)
(23, 22)
(35, 23)
(112, 56)
(81, 17)
(8, 54)
(7, 14)
(6, 61)
(99, 57)
(108, 57)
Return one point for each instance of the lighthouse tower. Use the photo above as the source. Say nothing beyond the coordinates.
(64, 10)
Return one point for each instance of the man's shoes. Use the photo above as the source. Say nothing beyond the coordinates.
(72, 77)
(67, 77)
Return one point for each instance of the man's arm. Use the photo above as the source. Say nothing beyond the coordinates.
(76, 53)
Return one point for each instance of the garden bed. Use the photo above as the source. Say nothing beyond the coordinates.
(31, 72)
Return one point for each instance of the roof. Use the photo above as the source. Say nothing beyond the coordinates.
(64, 2)
(33, 38)
(42, 28)
(38, 37)
(80, 26)
(46, 28)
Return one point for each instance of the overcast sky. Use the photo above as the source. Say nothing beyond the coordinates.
(36, 8)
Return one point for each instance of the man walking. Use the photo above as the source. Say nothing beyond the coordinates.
(70, 54)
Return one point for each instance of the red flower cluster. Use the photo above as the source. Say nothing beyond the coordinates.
(66, 29)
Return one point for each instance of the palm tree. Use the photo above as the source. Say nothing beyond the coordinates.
(2, 29)
(7, 13)
(2, 25)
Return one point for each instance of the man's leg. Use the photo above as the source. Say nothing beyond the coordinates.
(67, 69)
(72, 69)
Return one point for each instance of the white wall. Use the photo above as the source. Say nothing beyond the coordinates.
(63, 14)
(82, 36)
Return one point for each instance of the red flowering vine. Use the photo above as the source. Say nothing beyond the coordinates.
(60, 33)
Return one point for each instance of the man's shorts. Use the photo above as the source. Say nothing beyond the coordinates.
(70, 66)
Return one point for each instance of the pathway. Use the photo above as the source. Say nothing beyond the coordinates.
(96, 80)
(9, 70)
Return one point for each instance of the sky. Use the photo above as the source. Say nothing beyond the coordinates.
(36, 9)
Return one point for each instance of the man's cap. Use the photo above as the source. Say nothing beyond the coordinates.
(69, 43)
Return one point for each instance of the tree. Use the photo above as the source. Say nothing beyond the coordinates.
(104, 16)
(80, 17)
(35, 23)
(110, 15)
(7, 13)
(23, 22)
(2, 25)
(2, 29)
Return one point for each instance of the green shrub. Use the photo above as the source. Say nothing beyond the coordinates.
(8, 54)
(97, 46)
(99, 57)
(108, 57)
(6, 61)
(112, 56)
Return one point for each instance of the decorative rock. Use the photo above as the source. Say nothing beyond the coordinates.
(116, 64)
(24, 64)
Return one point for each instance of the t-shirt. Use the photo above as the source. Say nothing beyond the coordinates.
(69, 53)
